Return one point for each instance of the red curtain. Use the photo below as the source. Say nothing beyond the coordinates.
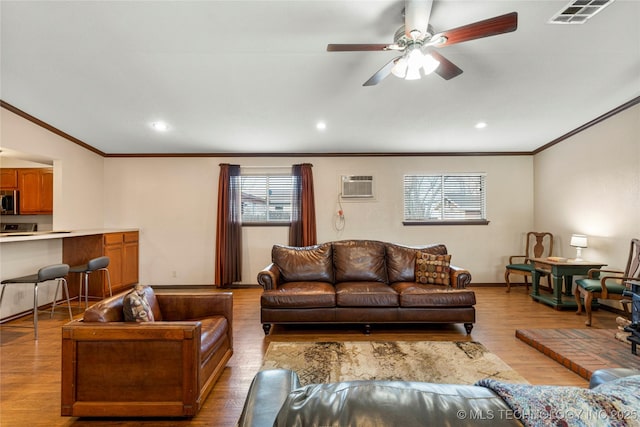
(229, 227)
(303, 211)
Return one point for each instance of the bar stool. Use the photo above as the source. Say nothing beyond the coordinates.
(95, 264)
(55, 272)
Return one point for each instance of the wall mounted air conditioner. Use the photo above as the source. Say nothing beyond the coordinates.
(356, 187)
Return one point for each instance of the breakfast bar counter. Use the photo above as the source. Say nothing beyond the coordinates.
(56, 234)
(25, 253)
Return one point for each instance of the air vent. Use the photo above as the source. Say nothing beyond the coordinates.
(357, 187)
(579, 11)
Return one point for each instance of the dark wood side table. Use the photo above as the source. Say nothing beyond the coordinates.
(561, 272)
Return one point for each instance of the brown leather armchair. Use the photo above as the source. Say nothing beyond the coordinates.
(112, 368)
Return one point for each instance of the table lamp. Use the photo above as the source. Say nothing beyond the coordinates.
(578, 241)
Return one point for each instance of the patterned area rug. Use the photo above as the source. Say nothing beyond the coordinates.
(441, 362)
(581, 350)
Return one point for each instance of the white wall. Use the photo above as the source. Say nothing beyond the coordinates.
(173, 201)
(590, 184)
(77, 172)
(77, 203)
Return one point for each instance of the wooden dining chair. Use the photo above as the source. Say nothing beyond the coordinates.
(608, 284)
(539, 245)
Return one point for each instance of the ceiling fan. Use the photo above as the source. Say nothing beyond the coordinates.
(416, 38)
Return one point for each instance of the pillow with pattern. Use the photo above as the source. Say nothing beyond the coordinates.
(135, 306)
(432, 269)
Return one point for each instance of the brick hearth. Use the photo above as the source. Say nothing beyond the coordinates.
(581, 350)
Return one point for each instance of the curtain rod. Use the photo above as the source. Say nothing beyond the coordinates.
(265, 167)
(271, 167)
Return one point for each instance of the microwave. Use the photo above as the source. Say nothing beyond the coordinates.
(9, 202)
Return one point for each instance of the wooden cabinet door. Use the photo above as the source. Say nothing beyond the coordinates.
(113, 249)
(29, 186)
(36, 191)
(8, 179)
(130, 258)
(46, 191)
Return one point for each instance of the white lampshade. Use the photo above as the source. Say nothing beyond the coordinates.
(412, 73)
(400, 69)
(429, 64)
(414, 63)
(578, 241)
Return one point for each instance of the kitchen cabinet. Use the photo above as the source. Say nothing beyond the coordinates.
(8, 179)
(130, 257)
(122, 250)
(36, 190)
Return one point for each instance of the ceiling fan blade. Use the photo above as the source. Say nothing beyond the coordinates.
(489, 27)
(356, 47)
(447, 69)
(382, 73)
(416, 16)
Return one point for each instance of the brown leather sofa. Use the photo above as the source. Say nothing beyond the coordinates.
(112, 368)
(362, 282)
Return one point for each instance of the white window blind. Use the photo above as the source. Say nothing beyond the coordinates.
(444, 198)
(266, 198)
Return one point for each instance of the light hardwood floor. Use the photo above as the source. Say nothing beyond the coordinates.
(30, 370)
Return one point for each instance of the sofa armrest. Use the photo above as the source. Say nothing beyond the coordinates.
(268, 391)
(130, 369)
(269, 277)
(460, 278)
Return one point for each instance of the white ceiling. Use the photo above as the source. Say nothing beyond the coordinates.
(254, 76)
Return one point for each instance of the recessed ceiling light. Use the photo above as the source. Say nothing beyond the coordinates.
(321, 125)
(160, 126)
(481, 125)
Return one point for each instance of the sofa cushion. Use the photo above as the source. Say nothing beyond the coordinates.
(419, 295)
(365, 294)
(300, 295)
(136, 306)
(359, 260)
(304, 264)
(401, 263)
(433, 269)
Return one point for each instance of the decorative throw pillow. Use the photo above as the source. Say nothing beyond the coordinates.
(432, 269)
(135, 306)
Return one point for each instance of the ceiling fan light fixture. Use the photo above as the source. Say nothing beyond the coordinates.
(414, 60)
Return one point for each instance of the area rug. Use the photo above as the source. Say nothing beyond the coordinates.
(581, 350)
(444, 362)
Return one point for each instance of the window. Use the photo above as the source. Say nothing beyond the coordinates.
(446, 199)
(266, 199)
